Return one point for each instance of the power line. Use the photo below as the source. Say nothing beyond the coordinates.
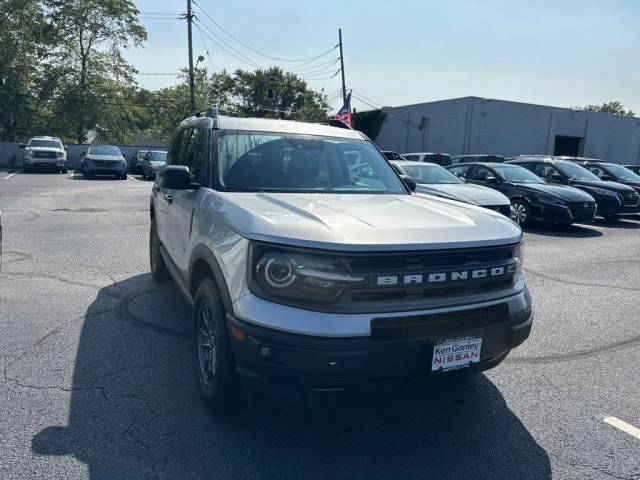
(359, 96)
(311, 67)
(248, 62)
(237, 53)
(206, 47)
(171, 74)
(258, 52)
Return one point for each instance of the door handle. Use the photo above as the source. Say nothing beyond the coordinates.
(168, 198)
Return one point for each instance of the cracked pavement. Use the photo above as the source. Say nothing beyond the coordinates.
(97, 382)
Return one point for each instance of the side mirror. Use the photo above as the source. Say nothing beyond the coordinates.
(176, 177)
(22, 145)
(493, 180)
(410, 182)
(83, 153)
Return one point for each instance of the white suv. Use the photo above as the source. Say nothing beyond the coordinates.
(44, 153)
(304, 268)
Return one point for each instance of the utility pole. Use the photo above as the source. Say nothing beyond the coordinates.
(191, 81)
(344, 89)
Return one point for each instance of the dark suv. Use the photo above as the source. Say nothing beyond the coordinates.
(613, 198)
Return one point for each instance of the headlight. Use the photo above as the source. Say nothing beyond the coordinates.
(518, 255)
(602, 191)
(62, 155)
(301, 278)
(552, 200)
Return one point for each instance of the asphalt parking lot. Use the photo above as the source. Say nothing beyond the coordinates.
(97, 382)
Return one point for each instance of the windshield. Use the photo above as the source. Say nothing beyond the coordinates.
(252, 162)
(45, 143)
(575, 172)
(158, 157)
(622, 173)
(111, 151)
(430, 174)
(514, 174)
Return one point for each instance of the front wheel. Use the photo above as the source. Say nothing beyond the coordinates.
(214, 364)
(520, 212)
(159, 270)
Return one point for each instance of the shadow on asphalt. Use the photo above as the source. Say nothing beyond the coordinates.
(567, 231)
(135, 412)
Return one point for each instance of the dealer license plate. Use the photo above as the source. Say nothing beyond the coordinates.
(456, 353)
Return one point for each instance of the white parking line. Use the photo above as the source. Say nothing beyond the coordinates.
(624, 426)
(132, 178)
(14, 173)
(588, 225)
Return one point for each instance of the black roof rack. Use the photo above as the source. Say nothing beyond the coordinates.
(211, 112)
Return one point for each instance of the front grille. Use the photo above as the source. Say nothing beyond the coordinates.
(45, 154)
(503, 209)
(631, 199)
(582, 212)
(394, 277)
(425, 326)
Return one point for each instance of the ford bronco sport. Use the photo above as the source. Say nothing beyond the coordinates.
(299, 269)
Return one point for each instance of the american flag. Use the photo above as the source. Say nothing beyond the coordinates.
(344, 115)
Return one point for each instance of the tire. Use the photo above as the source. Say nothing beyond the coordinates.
(521, 212)
(159, 271)
(214, 368)
(123, 176)
(64, 171)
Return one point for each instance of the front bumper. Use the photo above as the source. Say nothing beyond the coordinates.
(607, 206)
(45, 164)
(337, 362)
(95, 168)
(564, 214)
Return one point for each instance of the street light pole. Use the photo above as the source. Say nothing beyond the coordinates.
(192, 97)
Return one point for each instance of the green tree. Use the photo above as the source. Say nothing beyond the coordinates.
(88, 83)
(615, 108)
(23, 34)
(290, 96)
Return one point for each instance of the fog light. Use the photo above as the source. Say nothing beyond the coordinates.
(265, 352)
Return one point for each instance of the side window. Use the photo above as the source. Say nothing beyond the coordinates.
(175, 149)
(460, 172)
(597, 171)
(413, 158)
(479, 173)
(195, 154)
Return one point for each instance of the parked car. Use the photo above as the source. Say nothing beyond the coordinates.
(434, 180)
(153, 161)
(442, 159)
(42, 153)
(477, 158)
(0, 239)
(297, 270)
(389, 155)
(613, 198)
(612, 172)
(633, 168)
(103, 160)
(532, 199)
(135, 166)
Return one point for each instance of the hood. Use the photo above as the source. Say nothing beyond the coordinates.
(568, 194)
(113, 158)
(360, 222)
(464, 192)
(631, 183)
(615, 186)
(46, 149)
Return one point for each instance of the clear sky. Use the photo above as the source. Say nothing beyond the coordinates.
(560, 52)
